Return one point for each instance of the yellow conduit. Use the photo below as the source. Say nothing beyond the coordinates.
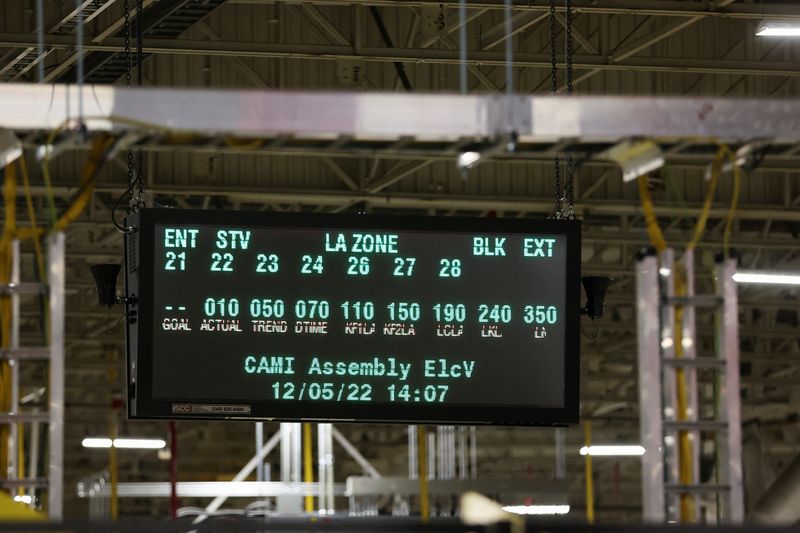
(9, 231)
(687, 507)
(308, 467)
(587, 435)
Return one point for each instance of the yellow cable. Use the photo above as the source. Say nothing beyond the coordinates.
(32, 216)
(587, 434)
(308, 465)
(9, 229)
(737, 184)
(651, 222)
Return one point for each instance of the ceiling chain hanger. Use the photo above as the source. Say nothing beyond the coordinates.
(558, 211)
(570, 186)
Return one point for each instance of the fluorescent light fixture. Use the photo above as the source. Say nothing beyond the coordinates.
(468, 159)
(96, 443)
(147, 444)
(770, 278)
(10, 148)
(140, 444)
(778, 29)
(537, 509)
(23, 498)
(613, 450)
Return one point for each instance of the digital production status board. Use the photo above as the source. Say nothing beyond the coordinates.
(243, 315)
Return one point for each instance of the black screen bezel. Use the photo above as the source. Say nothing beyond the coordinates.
(141, 403)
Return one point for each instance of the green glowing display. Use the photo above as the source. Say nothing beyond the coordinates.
(221, 262)
(222, 307)
(314, 391)
(428, 393)
(403, 311)
(312, 309)
(415, 320)
(175, 261)
(540, 314)
(404, 266)
(450, 312)
(496, 313)
(311, 265)
(267, 308)
(358, 266)
(450, 268)
(358, 310)
(267, 263)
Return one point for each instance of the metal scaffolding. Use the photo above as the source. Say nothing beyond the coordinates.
(683, 426)
(17, 417)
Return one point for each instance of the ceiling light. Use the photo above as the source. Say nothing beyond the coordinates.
(102, 442)
(772, 278)
(613, 450)
(468, 159)
(10, 147)
(778, 29)
(537, 509)
(150, 444)
(96, 443)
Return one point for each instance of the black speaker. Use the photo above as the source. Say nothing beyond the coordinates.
(105, 281)
(595, 287)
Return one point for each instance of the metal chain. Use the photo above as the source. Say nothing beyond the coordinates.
(138, 196)
(128, 67)
(558, 210)
(570, 188)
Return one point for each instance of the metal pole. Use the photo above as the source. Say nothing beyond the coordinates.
(13, 363)
(424, 502)
(113, 467)
(473, 451)
(56, 427)
(728, 342)
(173, 468)
(291, 455)
(647, 298)
(413, 468)
(561, 460)
(259, 445)
(462, 452)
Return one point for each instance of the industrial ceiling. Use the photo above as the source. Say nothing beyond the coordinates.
(623, 47)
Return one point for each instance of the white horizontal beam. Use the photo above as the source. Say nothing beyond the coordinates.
(397, 116)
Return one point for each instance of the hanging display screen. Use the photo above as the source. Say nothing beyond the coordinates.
(359, 318)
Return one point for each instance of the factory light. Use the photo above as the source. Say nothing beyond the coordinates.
(771, 278)
(149, 444)
(23, 498)
(140, 444)
(613, 450)
(537, 509)
(468, 159)
(96, 443)
(779, 29)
